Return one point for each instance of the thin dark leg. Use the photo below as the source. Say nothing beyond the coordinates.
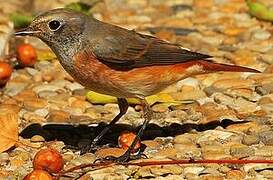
(123, 107)
(148, 113)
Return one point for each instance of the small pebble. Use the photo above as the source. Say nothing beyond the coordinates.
(261, 34)
(250, 140)
(37, 138)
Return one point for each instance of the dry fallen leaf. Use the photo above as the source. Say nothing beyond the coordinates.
(9, 131)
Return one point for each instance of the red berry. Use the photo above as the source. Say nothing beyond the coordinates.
(26, 55)
(5, 72)
(38, 175)
(126, 138)
(49, 160)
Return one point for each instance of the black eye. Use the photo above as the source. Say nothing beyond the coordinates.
(54, 25)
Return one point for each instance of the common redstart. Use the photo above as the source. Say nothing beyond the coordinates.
(123, 63)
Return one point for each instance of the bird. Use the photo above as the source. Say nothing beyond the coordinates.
(112, 60)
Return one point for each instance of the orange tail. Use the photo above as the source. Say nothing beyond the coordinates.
(214, 67)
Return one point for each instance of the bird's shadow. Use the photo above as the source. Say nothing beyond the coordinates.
(75, 135)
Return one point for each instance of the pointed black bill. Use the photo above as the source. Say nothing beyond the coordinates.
(25, 32)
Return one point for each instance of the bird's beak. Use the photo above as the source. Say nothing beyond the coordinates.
(26, 32)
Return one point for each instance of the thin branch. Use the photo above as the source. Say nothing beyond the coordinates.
(205, 161)
(169, 162)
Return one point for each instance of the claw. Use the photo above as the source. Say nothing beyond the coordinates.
(106, 159)
(90, 148)
(121, 159)
(139, 155)
(71, 147)
(86, 148)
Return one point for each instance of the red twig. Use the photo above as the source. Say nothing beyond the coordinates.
(169, 162)
(82, 166)
(206, 161)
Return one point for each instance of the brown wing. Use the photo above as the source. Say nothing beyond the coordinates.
(128, 49)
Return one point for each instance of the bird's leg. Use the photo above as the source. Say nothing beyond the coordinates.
(148, 113)
(123, 107)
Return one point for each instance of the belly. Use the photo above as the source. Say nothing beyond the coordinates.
(119, 84)
(140, 82)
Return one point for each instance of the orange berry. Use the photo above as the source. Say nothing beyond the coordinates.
(5, 72)
(126, 138)
(26, 55)
(49, 160)
(38, 175)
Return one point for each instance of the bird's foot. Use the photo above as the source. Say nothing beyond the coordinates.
(71, 147)
(83, 149)
(86, 147)
(93, 147)
(89, 148)
(127, 156)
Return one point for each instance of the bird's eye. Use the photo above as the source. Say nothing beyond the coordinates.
(54, 25)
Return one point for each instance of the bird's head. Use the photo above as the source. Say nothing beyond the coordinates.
(56, 26)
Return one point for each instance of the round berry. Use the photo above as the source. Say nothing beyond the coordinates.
(38, 175)
(49, 160)
(5, 72)
(126, 138)
(26, 55)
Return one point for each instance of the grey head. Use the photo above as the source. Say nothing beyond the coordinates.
(61, 29)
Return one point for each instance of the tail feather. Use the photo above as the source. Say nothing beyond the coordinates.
(214, 67)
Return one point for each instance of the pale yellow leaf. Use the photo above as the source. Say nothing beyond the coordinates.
(98, 98)
(45, 55)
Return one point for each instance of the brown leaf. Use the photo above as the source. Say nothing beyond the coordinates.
(9, 131)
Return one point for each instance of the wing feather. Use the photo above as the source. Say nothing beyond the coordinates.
(126, 49)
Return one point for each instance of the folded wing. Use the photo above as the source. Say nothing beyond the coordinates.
(133, 50)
